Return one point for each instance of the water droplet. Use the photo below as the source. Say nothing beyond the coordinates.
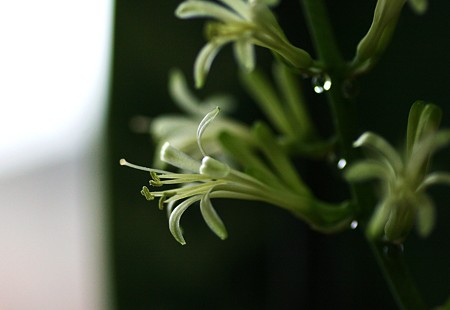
(393, 250)
(321, 83)
(354, 224)
(342, 163)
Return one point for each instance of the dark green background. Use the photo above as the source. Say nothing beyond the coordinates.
(270, 260)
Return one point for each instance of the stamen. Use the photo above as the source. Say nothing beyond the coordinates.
(123, 162)
(146, 193)
(156, 181)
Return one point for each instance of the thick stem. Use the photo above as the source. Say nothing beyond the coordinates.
(392, 264)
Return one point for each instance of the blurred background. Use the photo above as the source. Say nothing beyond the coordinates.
(76, 234)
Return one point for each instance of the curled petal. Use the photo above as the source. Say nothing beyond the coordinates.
(211, 217)
(204, 60)
(181, 94)
(194, 9)
(382, 149)
(434, 179)
(367, 170)
(203, 125)
(175, 216)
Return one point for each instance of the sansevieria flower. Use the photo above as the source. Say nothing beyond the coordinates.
(206, 179)
(404, 177)
(244, 23)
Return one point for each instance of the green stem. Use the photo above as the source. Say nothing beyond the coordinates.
(391, 260)
(393, 266)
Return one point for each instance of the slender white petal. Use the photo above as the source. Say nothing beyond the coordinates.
(214, 168)
(175, 216)
(202, 126)
(382, 148)
(176, 158)
(181, 94)
(204, 60)
(194, 9)
(244, 52)
(368, 170)
(211, 217)
(434, 179)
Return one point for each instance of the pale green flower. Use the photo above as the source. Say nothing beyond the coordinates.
(404, 178)
(180, 130)
(245, 23)
(203, 180)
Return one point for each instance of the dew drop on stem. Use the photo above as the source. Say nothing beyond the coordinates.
(321, 83)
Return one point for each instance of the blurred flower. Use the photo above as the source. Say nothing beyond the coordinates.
(180, 130)
(405, 178)
(245, 23)
(419, 6)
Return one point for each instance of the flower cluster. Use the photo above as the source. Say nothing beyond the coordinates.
(245, 23)
(404, 179)
(200, 181)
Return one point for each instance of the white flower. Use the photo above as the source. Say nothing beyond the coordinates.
(404, 179)
(200, 181)
(180, 130)
(246, 23)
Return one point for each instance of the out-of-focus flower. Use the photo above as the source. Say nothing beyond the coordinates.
(180, 130)
(404, 178)
(419, 6)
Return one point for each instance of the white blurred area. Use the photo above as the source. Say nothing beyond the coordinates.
(54, 72)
